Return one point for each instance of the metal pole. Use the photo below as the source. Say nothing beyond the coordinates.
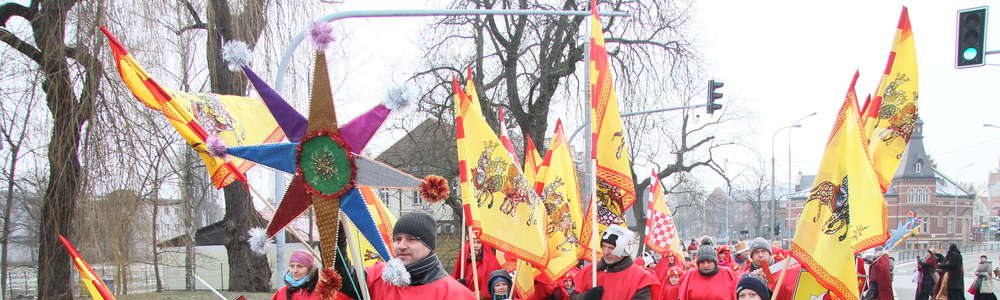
(791, 188)
(639, 113)
(279, 240)
(287, 55)
(592, 162)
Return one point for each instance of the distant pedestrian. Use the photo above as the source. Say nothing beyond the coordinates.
(928, 277)
(984, 280)
(954, 282)
(879, 278)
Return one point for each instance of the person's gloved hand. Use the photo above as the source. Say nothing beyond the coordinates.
(461, 280)
(594, 293)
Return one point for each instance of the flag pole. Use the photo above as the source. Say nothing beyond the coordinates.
(210, 287)
(475, 270)
(513, 283)
(294, 232)
(781, 277)
(461, 250)
(359, 264)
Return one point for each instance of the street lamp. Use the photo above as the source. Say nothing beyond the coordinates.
(990, 125)
(774, 199)
(959, 232)
(790, 187)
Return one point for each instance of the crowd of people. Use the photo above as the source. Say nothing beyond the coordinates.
(708, 271)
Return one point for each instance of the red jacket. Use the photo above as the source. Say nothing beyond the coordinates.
(484, 266)
(617, 285)
(721, 286)
(302, 294)
(445, 288)
(883, 279)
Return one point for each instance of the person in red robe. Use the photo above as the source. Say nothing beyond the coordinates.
(486, 262)
(760, 255)
(670, 284)
(725, 257)
(617, 277)
(415, 272)
(751, 287)
(708, 281)
(879, 276)
(668, 262)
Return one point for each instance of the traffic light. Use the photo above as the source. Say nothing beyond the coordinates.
(712, 95)
(971, 37)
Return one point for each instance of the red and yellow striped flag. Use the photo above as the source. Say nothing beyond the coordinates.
(88, 278)
(896, 98)
(615, 189)
(560, 191)
(500, 201)
(236, 120)
(845, 212)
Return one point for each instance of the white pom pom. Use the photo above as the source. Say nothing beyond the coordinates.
(258, 240)
(395, 273)
(397, 97)
(236, 54)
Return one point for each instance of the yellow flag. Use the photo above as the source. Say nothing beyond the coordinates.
(532, 161)
(501, 202)
(524, 279)
(95, 287)
(236, 120)
(615, 189)
(845, 212)
(897, 104)
(559, 189)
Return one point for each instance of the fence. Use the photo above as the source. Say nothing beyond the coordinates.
(966, 251)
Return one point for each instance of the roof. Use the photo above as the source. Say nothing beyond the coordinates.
(915, 162)
(427, 149)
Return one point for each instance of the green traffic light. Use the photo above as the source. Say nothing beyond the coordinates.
(970, 53)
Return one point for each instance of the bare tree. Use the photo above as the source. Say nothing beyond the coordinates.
(529, 64)
(247, 271)
(15, 119)
(60, 63)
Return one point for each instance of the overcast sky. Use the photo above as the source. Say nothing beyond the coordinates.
(788, 59)
(781, 60)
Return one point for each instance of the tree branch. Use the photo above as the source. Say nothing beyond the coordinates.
(21, 46)
(11, 9)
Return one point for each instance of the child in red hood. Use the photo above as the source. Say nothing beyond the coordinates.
(670, 284)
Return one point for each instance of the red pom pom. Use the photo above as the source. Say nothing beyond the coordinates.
(329, 283)
(434, 189)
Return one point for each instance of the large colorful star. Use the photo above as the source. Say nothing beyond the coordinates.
(321, 155)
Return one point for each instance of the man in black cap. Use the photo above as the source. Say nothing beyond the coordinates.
(704, 282)
(415, 272)
(617, 276)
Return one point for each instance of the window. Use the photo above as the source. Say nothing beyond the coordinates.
(918, 195)
(416, 198)
(917, 167)
(923, 227)
(951, 225)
